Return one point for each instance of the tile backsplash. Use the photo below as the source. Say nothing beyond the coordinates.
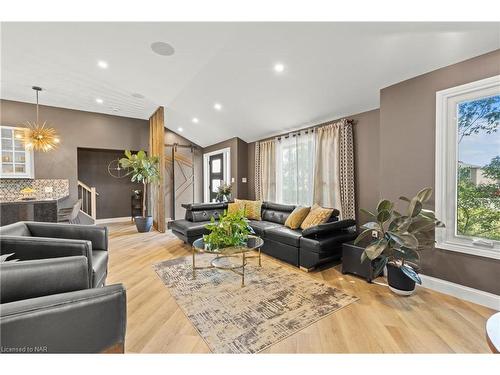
(10, 188)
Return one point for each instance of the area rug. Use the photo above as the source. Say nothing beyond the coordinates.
(275, 302)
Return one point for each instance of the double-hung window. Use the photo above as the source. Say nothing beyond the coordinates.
(468, 168)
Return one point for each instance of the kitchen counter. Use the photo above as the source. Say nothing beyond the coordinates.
(40, 209)
(36, 200)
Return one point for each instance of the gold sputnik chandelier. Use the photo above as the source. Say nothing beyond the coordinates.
(39, 137)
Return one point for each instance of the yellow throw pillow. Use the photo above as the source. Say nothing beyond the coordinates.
(297, 217)
(317, 215)
(233, 208)
(252, 208)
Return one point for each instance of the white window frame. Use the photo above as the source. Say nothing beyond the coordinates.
(226, 155)
(29, 164)
(446, 168)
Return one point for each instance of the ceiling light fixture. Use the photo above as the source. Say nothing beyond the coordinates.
(102, 64)
(39, 137)
(195, 120)
(279, 67)
(99, 100)
(180, 130)
(217, 106)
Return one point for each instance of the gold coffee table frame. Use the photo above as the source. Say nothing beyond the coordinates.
(254, 244)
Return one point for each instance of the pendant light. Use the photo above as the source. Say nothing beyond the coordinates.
(39, 137)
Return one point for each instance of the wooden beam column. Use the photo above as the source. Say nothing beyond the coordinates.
(156, 148)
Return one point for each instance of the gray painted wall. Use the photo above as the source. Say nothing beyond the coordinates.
(114, 198)
(76, 129)
(407, 158)
(239, 167)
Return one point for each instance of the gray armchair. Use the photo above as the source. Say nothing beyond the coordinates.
(35, 240)
(47, 306)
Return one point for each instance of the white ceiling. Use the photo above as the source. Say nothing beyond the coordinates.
(331, 69)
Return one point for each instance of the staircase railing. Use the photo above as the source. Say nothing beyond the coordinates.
(88, 195)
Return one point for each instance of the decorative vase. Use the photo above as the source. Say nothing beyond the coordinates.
(398, 282)
(143, 224)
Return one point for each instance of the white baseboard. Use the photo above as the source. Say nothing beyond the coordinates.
(113, 220)
(463, 292)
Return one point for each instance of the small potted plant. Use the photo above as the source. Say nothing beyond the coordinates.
(400, 237)
(224, 192)
(232, 229)
(143, 169)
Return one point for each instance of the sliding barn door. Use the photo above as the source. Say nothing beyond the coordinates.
(179, 186)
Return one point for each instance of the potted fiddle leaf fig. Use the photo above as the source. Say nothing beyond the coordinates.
(143, 169)
(400, 237)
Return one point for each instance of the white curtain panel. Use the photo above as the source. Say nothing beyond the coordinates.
(267, 170)
(294, 168)
(334, 168)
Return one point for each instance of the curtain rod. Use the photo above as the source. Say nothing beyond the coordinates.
(306, 130)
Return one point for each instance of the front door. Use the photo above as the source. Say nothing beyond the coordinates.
(215, 174)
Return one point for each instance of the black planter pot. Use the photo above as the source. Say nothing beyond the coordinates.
(398, 282)
(143, 224)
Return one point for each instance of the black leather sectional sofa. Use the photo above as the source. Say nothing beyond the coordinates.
(306, 249)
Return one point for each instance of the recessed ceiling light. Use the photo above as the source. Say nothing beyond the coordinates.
(279, 67)
(162, 48)
(99, 100)
(102, 64)
(180, 130)
(195, 120)
(217, 106)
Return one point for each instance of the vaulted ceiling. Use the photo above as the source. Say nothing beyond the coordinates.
(330, 70)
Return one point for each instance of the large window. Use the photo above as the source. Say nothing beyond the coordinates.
(468, 167)
(295, 168)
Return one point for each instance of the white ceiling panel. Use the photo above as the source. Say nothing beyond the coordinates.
(331, 69)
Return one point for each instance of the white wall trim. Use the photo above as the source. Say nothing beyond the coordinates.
(460, 291)
(113, 220)
(227, 169)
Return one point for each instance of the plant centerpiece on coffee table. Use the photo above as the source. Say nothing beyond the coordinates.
(143, 169)
(400, 238)
(232, 229)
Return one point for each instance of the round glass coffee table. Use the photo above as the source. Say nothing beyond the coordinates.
(222, 256)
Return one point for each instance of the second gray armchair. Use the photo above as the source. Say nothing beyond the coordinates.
(34, 240)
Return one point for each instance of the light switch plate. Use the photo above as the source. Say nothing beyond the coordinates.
(232, 179)
(244, 180)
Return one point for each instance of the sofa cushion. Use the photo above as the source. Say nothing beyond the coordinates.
(276, 213)
(297, 217)
(252, 208)
(189, 228)
(197, 212)
(260, 226)
(284, 235)
(235, 207)
(317, 215)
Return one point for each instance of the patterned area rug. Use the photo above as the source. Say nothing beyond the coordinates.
(275, 302)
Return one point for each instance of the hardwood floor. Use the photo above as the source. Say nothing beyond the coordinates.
(380, 322)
